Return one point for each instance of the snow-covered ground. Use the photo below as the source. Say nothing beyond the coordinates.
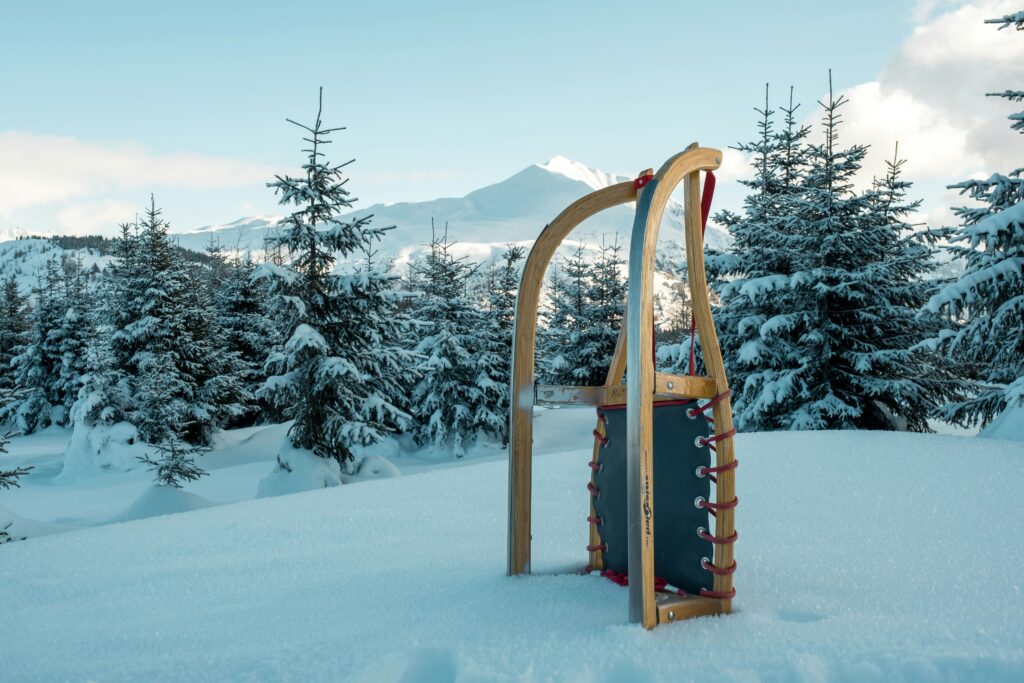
(863, 557)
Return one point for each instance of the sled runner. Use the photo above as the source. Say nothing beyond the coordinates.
(662, 477)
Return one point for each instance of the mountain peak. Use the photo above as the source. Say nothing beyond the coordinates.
(574, 170)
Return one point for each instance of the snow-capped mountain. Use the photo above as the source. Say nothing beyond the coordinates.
(483, 221)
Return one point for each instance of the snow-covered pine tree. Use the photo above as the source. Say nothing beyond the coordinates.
(900, 383)
(564, 315)
(986, 306)
(340, 374)
(504, 287)
(73, 335)
(156, 363)
(820, 315)
(174, 462)
(248, 330)
(452, 402)
(108, 389)
(752, 278)
(37, 365)
(14, 329)
(605, 295)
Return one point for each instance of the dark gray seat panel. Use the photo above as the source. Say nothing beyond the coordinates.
(678, 549)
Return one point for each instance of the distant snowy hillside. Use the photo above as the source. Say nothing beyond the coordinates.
(27, 257)
(482, 222)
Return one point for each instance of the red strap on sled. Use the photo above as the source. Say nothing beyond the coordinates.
(705, 211)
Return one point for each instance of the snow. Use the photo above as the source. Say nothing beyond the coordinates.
(102, 447)
(591, 177)
(298, 470)
(1008, 425)
(161, 500)
(997, 222)
(27, 257)
(861, 558)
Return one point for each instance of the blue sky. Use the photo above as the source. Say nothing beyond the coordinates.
(188, 99)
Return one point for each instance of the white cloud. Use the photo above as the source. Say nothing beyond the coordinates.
(91, 218)
(930, 98)
(40, 169)
(962, 36)
(932, 140)
(735, 166)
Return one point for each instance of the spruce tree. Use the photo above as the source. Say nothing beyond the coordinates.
(108, 391)
(14, 328)
(454, 399)
(174, 462)
(497, 368)
(156, 362)
(819, 317)
(72, 337)
(249, 332)
(38, 363)
(340, 370)
(751, 279)
(901, 382)
(564, 316)
(605, 295)
(984, 333)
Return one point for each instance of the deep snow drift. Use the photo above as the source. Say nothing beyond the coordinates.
(862, 557)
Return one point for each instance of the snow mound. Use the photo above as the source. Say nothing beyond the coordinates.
(102, 447)
(161, 500)
(21, 527)
(298, 470)
(1009, 425)
(372, 467)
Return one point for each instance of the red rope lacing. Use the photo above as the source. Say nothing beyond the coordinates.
(600, 437)
(705, 211)
(713, 508)
(704, 441)
(710, 472)
(706, 564)
(717, 540)
(701, 410)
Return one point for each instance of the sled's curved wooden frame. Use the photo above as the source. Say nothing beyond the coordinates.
(642, 388)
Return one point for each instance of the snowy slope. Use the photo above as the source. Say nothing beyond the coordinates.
(27, 257)
(483, 221)
(863, 557)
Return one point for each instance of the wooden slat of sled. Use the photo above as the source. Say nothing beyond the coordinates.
(677, 607)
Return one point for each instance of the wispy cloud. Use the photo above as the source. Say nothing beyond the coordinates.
(41, 169)
(931, 98)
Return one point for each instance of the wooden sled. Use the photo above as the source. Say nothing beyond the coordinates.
(643, 391)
